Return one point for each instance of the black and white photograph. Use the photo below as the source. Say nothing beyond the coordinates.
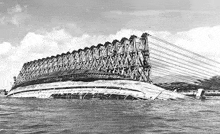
(109, 66)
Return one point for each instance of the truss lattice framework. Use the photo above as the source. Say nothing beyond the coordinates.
(127, 57)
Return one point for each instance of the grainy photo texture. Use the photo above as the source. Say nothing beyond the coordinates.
(109, 66)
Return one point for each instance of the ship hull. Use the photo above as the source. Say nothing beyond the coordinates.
(102, 89)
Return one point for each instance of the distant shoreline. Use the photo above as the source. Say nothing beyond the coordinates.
(207, 93)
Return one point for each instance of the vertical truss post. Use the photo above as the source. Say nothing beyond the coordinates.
(146, 55)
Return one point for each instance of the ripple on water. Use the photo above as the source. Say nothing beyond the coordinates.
(96, 116)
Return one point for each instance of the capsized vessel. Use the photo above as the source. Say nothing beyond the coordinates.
(117, 70)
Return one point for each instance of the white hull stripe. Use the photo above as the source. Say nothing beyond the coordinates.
(110, 87)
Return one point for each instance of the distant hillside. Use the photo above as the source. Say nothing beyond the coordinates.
(184, 83)
(173, 78)
(212, 83)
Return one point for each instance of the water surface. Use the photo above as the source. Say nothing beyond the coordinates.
(108, 116)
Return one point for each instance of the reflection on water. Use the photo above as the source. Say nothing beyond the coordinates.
(108, 116)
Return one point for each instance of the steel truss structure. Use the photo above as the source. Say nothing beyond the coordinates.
(128, 58)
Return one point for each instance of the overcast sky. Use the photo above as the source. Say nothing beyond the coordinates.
(32, 29)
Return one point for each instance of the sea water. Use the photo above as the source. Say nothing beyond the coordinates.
(36, 116)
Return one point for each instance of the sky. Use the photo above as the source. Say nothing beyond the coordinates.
(33, 29)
